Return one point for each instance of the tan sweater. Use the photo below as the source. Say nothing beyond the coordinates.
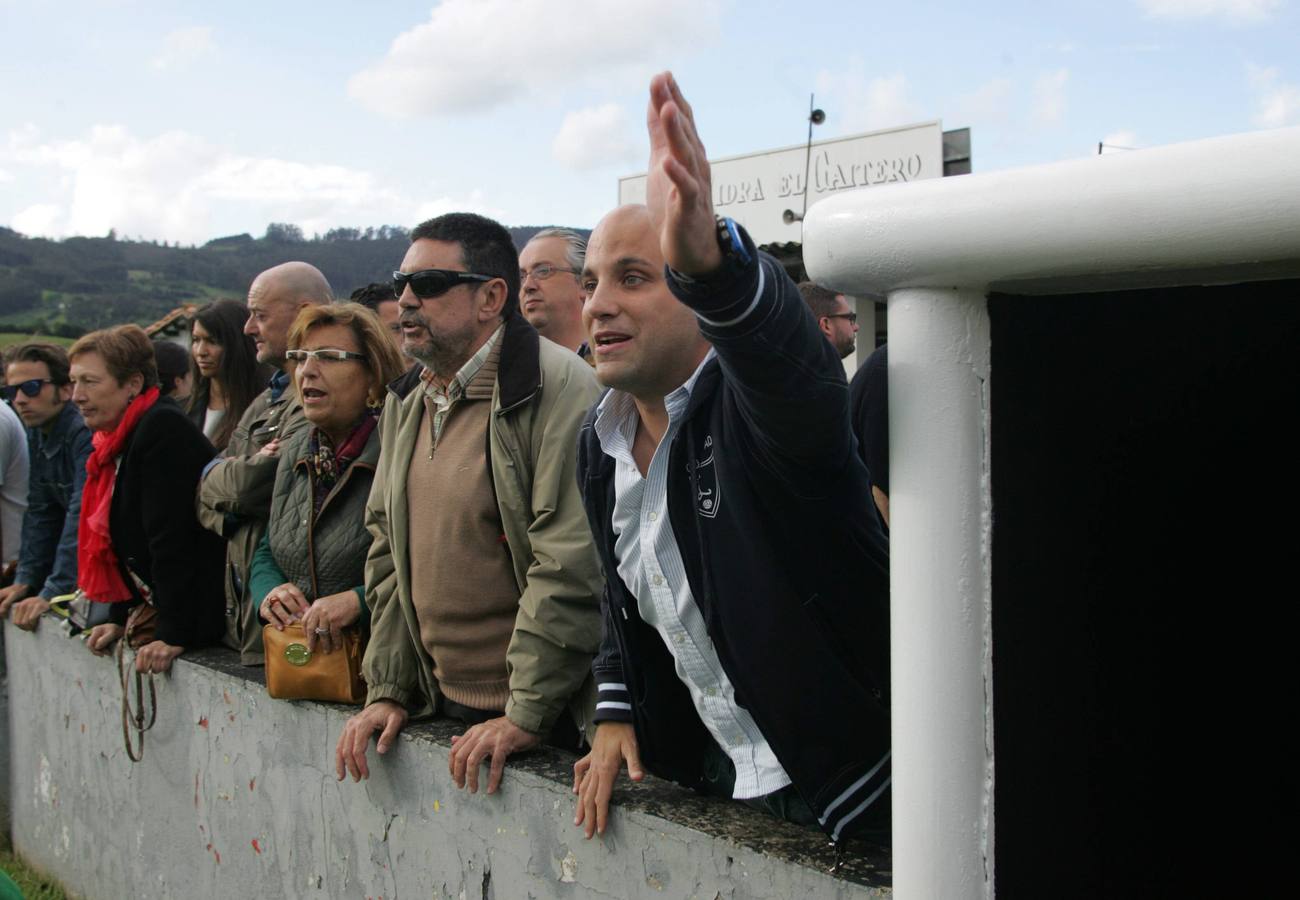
(462, 580)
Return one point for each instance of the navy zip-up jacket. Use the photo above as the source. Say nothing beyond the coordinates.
(771, 507)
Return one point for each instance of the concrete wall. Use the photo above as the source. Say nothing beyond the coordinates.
(236, 796)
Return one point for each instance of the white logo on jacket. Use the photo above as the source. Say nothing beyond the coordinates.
(707, 496)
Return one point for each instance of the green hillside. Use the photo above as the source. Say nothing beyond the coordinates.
(71, 286)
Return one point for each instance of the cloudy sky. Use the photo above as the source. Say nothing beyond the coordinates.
(187, 121)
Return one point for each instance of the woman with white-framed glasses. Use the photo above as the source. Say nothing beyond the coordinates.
(309, 567)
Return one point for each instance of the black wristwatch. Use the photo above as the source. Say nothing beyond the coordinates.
(735, 259)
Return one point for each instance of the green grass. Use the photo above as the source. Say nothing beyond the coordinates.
(33, 885)
(8, 339)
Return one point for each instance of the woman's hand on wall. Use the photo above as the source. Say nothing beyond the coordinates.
(156, 657)
(103, 637)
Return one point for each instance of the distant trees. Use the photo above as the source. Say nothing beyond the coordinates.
(283, 233)
(70, 286)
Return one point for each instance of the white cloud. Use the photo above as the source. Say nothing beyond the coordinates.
(1240, 11)
(1277, 103)
(472, 55)
(185, 46)
(41, 218)
(474, 203)
(176, 186)
(594, 137)
(866, 103)
(5, 177)
(1049, 97)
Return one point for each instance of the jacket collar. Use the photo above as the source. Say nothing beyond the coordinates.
(519, 374)
(65, 426)
(278, 385)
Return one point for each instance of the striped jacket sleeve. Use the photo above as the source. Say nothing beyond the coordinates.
(613, 700)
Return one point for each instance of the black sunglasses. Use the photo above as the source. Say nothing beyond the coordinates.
(31, 388)
(428, 283)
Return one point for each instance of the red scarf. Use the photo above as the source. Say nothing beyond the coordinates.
(98, 573)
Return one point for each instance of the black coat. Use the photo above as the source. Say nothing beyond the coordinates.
(772, 511)
(156, 534)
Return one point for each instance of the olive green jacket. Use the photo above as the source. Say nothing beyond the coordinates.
(541, 396)
(235, 502)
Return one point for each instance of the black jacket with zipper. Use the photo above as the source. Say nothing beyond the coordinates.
(772, 511)
(157, 536)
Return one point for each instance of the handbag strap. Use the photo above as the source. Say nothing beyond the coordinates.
(133, 720)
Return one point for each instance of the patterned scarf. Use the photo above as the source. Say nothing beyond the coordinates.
(328, 464)
(98, 573)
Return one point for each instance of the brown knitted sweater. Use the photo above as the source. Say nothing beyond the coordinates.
(462, 581)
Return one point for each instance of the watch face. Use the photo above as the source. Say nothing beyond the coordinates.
(729, 232)
(735, 256)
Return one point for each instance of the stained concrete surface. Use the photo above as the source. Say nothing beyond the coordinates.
(236, 796)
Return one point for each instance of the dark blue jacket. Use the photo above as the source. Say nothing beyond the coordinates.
(771, 507)
(48, 561)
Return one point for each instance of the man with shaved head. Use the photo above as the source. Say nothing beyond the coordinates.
(235, 495)
(746, 642)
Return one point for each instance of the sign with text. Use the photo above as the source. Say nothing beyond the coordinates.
(757, 188)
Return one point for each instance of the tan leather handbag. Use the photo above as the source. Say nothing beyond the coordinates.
(295, 673)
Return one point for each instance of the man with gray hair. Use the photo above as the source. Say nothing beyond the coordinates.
(235, 494)
(550, 292)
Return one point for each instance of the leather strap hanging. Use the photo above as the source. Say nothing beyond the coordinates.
(140, 628)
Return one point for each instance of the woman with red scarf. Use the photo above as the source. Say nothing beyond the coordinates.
(310, 565)
(138, 538)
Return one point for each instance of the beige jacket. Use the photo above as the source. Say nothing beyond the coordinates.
(542, 394)
(235, 502)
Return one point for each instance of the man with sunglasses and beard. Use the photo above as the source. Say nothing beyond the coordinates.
(482, 580)
(58, 443)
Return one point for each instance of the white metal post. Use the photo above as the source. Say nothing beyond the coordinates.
(941, 605)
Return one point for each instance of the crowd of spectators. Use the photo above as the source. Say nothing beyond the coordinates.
(609, 495)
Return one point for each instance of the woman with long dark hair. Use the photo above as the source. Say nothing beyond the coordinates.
(227, 375)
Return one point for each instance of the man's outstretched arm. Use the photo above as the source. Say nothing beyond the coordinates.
(788, 380)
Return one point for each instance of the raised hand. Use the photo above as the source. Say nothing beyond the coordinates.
(679, 193)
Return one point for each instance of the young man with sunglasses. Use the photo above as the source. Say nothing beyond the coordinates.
(550, 293)
(235, 494)
(481, 579)
(58, 444)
